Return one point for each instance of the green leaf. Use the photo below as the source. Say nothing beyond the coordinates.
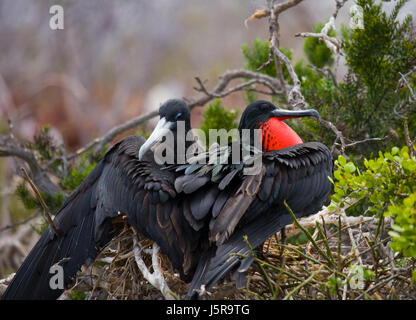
(350, 167)
(342, 161)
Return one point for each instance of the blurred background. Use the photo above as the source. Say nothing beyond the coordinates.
(115, 60)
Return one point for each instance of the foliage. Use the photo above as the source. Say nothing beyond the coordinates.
(257, 55)
(375, 56)
(331, 268)
(317, 51)
(388, 186)
(43, 144)
(377, 53)
(78, 295)
(31, 202)
(46, 150)
(365, 102)
(217, 117)
(78, 173)
(404, 234)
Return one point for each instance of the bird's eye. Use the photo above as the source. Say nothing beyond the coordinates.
(178, 115)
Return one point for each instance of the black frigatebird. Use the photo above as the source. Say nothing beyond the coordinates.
(119, 184)
(197, 217)
(253, 205)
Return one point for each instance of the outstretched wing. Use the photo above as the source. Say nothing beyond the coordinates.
(297, 174)
(119, 184)
(253, 205)
(147, 196)
(82, 223)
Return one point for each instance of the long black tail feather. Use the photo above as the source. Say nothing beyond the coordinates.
(74, 246)
(214, 269)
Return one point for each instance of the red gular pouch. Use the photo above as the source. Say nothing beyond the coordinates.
(277, 135)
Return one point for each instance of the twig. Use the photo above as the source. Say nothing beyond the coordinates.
(325, 240)
(378, 285)
(239, 87)
(308, 235)
(363, 141)
(155, 278)
(339, 5)
(338, 134)
(301, 285)
(274, 34)
(407, 139)
(44, 206)
(331, 42)
(325, 216)
(10, 146)
(279, 8)
(295, 97)
(260, 266)
(353, 242)
(404, 82)
(24, 221)
(275, 8)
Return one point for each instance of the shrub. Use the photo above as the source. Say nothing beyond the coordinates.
(387, 188)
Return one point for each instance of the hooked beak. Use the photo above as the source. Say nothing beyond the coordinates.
(290, 114)
(161, 129)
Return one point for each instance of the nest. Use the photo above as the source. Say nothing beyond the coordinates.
(115, 275)
(337, 262)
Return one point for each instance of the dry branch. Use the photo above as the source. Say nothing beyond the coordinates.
(24, 221)
(273, 8)
(331, 42)
(279, 8)
(354, 143)
(408, 140)
(11, 147)
(220, 90)
(326, 216)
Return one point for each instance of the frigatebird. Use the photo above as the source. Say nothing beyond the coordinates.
(120, 184)
(197, 217)
(254, 205)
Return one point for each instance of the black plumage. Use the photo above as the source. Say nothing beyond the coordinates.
(252, 206)
(141, 190)
(197, 214)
